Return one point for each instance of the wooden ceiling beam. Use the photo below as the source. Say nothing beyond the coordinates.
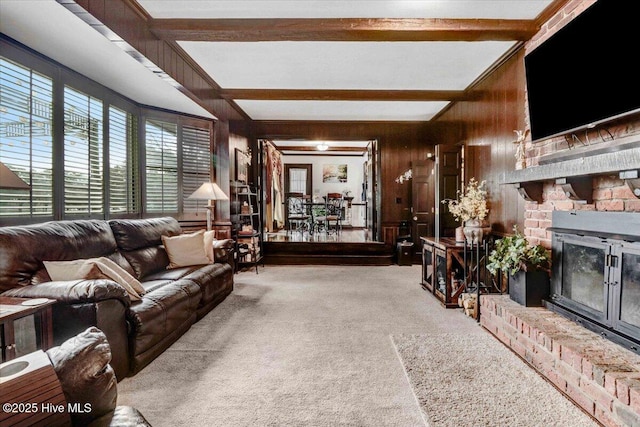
(343, 29)
(342, 95)
(306, 148)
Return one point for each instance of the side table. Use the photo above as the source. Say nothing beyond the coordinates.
(31, 394)
(12, 309)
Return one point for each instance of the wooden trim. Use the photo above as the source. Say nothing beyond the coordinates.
(343, 29)
(343, 95)
(314, 149)
(550, 11)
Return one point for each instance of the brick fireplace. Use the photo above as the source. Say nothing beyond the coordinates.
(600, 377)
(562, 175)
(594, 170)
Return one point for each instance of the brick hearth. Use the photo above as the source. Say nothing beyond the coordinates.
(601, 377)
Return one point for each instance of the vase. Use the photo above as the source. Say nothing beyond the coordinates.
(529, 288)
(473, 231)
(460, 234)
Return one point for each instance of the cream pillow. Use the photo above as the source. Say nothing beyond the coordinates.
(209, 238)
(106, 268)
(185, 249)
(95, 268)
(67, 270)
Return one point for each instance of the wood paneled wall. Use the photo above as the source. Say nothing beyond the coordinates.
(486, 127)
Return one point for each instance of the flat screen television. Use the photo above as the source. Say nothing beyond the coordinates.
(587, 73)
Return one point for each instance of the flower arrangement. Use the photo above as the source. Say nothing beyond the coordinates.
(471, 202)
(514, 253)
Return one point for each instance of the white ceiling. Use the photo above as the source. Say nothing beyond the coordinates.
(345, 65)
(504, 9)
(51, 29)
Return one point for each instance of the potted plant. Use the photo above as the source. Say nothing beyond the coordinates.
(470, 208)
(526, 265)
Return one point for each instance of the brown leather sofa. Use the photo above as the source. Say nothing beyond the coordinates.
(137, 331)
(88, 382)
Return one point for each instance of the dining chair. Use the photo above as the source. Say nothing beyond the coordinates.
(297, 213)
(335, 211)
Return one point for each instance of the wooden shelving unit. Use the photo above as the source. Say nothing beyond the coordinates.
(246, 227)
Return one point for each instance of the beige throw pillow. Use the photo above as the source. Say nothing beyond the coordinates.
(209, 238)
(185, 249)
(67, 270)
(105, 268)
(95, 268)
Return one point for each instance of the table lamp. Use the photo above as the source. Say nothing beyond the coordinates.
(211, 192)
(9, 179)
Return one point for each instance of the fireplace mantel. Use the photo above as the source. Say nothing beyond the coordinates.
(573, 170)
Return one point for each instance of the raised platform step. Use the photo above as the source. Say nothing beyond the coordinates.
(328, 253)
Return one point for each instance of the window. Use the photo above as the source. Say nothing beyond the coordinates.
(196, 163)
(83, 164)
(161, 145)
(26, 139)
(298, 180)
(83, 149)
(122, 137)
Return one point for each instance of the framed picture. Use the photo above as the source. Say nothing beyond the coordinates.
(242, 165)
(334, 173)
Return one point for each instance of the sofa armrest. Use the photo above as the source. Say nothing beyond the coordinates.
(223, 250)
(73, 291)
(123, 416)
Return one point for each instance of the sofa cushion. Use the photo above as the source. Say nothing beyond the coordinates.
(213, 279)
(158, 316)
(132, 234)
(146, 261)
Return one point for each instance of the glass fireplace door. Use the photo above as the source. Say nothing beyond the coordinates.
(626, 283)
(585, 277)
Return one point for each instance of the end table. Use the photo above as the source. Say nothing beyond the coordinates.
(16, 308)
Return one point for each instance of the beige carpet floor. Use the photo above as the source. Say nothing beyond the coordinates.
(474, 380)
(300, 346)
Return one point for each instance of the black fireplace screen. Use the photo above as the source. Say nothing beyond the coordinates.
(596, 272)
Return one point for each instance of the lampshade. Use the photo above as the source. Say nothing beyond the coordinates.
(209, 191)
(9, 179)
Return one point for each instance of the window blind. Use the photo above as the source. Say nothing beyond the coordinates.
(122, 135)
(161, 145)
(83, 154)
(196, 164)
(26, 140)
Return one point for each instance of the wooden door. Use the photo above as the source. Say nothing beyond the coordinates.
(422, 199)
(373, 221)
(449, 178)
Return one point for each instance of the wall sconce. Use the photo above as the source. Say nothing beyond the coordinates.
(406, 176)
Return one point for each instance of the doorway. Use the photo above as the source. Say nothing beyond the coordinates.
(346, 167)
